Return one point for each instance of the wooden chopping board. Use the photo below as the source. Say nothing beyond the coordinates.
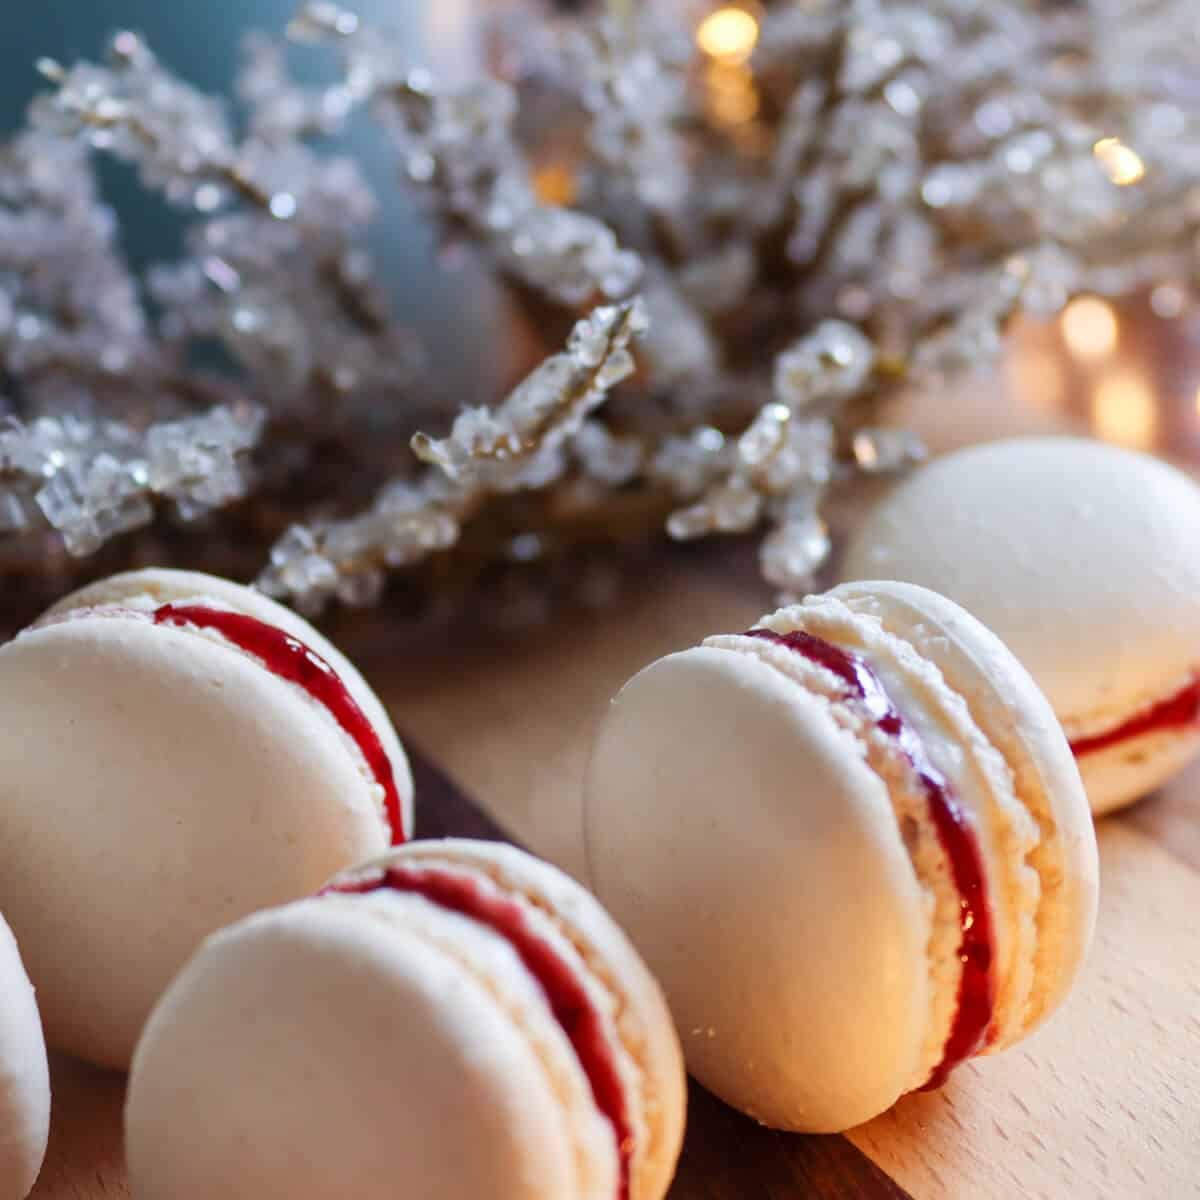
(1103, 1102)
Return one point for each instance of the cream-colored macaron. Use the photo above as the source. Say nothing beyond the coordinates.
(852, 844)
(1085, 560)
(24, 1077)
(455, 1019)
(175, 752)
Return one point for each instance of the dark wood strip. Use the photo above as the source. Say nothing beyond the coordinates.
(443, 808)
(726, 1156)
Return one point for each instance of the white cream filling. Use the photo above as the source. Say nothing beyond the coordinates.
(941, 746)
(1006, 832)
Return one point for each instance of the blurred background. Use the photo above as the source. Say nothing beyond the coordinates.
(447, 298)
(1127, 371)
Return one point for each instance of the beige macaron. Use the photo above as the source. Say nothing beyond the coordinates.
(853, 845)
(161, 776)
(1085, 559)
(454, 1019)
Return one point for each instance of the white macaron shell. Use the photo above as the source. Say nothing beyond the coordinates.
(317, 1053)
(155, 785)
(1083, 558)
(755, 860)
(24, 1077)
(910, 809)
(152, 586)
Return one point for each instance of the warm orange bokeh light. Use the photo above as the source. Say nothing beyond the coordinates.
(729, 34)
(1124, 410)
(555, 184)
(1089, 327)
(1122, 164)
(732, 99)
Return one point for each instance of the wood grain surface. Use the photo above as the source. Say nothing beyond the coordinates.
(1103, 1102)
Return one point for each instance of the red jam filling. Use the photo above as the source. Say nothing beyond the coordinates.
(290, 659)
(1175, 712)
(976, 989)
(568, 999)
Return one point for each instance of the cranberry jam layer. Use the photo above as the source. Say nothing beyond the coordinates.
(478, 899)
(286, 656)
(1181, 710)
(975, 1003)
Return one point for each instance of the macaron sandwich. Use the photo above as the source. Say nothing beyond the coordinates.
(853, 845)
(176, 751)
(1084, 559)
(455, 1019)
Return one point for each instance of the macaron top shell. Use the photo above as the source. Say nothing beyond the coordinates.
(800, 1000)
(175, 782)
(325, 1050)
(1082, 557)
(154, 586)
(24, 1077)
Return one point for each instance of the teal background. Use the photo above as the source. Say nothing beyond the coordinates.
(447, 299)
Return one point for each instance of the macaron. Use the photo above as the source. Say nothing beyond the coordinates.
(176, 751)
(853, 845)
(24, 1076)
(1085, 560)
(455, 1019)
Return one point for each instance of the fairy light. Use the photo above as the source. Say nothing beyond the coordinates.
(554, 183)
(728, 34)
(1121, 163)
(1089, 327)
(1124, 411)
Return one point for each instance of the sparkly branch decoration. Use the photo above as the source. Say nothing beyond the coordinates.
(519, 447)
(791, 214)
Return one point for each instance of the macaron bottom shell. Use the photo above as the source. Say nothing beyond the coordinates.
(1120, 774)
